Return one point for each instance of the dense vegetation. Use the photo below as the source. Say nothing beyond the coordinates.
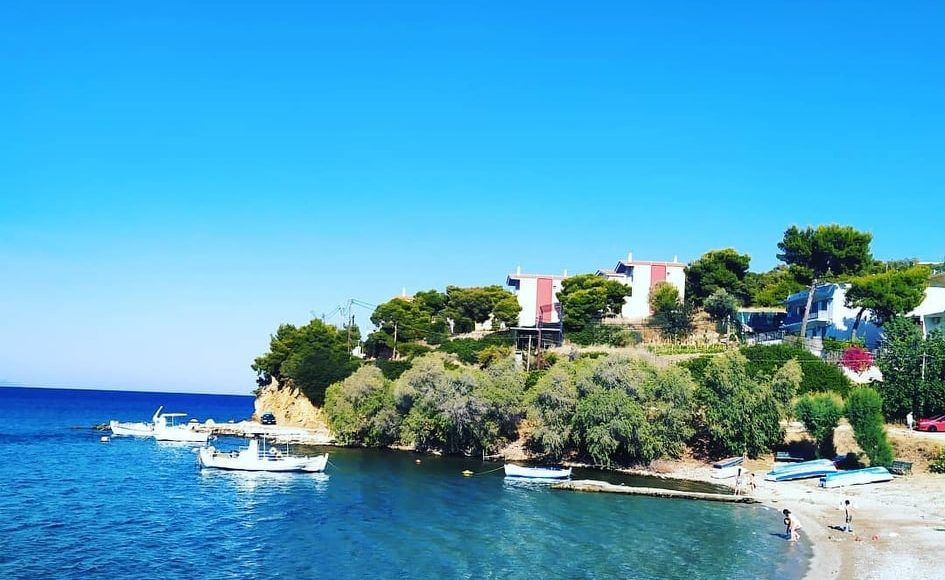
(864, 410)
(913, 370)
(819, 375)
(311, 356)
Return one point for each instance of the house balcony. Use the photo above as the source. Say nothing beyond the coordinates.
(816, 318)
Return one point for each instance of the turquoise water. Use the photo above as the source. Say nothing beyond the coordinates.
(131, 508)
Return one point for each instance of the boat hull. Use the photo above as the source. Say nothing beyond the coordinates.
(182, 434)
(131, 429)
(856, 477)
(243, 461)
(803, 470)
(512, 470)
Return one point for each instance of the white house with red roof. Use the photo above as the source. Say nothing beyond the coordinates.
(642, 276)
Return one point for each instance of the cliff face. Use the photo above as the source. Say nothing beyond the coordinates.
(291, 408)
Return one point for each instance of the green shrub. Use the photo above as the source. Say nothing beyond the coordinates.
(864, 410)
(837, 346)
(604, 334)
(687, 348)
(819, 376)
(361, 410)
(392, 369)
(937, 463)
(820, 414)
(740, 414)
(696, 366)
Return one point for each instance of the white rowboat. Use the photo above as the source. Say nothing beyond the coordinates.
(856, 477)
(512, 470)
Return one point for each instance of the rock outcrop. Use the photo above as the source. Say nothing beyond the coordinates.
(291, 408)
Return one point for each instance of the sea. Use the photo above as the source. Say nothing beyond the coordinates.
(75, 507)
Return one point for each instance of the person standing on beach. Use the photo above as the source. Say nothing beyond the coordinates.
(792, 526)
(910, 421)
(739, 482)
(848, 516)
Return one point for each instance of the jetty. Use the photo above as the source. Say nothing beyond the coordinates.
(591, 485)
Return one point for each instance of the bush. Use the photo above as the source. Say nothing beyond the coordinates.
(820, 414)
(857, 359)
(740, 414)
(937, 463)
(687, 348)
(819, 376)
(834, 345)
(608, 334)
(392, 369)
(361, 410)
(864, 410)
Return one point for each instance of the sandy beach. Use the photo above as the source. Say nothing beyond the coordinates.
(899, 526)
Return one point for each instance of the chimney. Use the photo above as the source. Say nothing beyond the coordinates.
(518, 269)
(629, 256)
(675, 259)
(403, 291)
(565, 272)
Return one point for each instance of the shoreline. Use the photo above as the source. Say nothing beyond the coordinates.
(899, 525)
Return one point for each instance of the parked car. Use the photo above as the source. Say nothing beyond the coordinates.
(267, 419)
(932, 425)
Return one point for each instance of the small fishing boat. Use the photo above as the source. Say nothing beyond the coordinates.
(803, 470)
(726, 468)
(167, 429)
(512, 470)
(131, 429)
(856, 477)
(257, 457)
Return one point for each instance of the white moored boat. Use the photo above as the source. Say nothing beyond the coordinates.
(512, 470)
(131, 429)
(166, 429)
(257, 458)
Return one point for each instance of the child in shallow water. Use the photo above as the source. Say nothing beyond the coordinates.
(792, 526)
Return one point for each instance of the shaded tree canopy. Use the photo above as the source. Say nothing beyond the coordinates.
(725, 269)
(587, 297)
(772, 288)
(312, 356)
(828, 250)
(889, 294)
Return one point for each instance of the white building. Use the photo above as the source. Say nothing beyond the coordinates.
(829, 316)
(931, 313)
(642, 276)
(537, 294)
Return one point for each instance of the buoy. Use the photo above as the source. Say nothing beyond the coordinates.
(467, 473)
(104, 439)
(417, 461)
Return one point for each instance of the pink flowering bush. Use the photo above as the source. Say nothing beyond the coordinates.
(857, 359)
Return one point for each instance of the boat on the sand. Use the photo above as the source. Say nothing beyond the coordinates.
(803, 470)
(512, 470)
(257, 457)
(725, 468)
(856, 477)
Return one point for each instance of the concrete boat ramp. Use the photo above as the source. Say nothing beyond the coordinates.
(591, 485)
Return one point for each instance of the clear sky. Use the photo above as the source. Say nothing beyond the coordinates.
(177, 179)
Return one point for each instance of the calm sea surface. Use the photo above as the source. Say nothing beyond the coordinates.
(133, 508)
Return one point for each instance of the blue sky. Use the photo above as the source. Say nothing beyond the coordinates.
(178, 179)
